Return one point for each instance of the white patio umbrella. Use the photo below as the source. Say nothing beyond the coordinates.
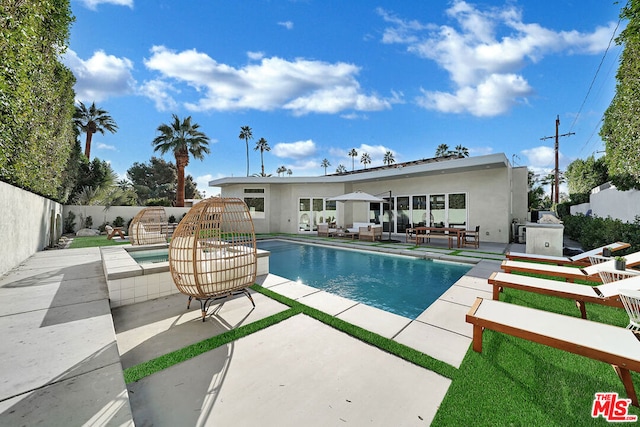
(356, 196)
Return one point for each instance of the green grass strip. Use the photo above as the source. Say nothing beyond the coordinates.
(393, 347)
(94, 241)
(165, 361)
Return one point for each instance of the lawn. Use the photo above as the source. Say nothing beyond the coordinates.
(92, 241)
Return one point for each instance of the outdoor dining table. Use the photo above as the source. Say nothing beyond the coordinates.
(424, 233)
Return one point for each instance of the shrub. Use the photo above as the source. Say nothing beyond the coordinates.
(159, 202)
(593, 232)
(118, 222)
(172, 219)
(70, 223)
(88, 222)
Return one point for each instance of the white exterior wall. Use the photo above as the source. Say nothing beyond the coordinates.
(28, 224)
(607, 201)
(492, 198)
(99, 215)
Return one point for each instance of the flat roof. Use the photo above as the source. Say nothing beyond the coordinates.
(397, 171)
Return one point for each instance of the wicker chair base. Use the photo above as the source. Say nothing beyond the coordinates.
(205, 303)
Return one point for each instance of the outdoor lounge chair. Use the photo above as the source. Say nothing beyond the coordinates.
(213, 252)
(579, 259)
(568, 273)
(325, 231)
(605, 294)
(606, 343)
(370, 232)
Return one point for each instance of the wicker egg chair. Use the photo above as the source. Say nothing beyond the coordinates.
(149, 226)
(212, 254)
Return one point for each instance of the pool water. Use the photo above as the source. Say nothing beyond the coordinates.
(148, 256)
(400, 285)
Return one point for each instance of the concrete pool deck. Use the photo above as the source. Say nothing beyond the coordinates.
(64, 351)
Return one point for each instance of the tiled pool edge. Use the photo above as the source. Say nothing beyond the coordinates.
(129, 282)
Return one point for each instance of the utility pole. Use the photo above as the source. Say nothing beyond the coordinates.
(557, 170)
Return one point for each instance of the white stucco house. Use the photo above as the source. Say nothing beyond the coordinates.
(483, 191)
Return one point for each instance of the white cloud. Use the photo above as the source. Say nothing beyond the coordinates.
(256, 56)
(101, 76)
(543, 157)
(103, 146)
(294, 150)
(483, 51)
(93, 4)
(301, 86)
(286, 24)
(159, 91)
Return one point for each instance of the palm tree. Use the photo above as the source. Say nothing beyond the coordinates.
(282, 169)
(325, 164)
(442, 150)
(263, 146)
(182, 138)
(245, 133)
(365, 159)
(462, 151)
(353, 154)
(341, 169)
(289, 172)
(388, 158)
(90, 121)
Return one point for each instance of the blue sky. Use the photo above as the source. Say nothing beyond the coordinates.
(318, 78)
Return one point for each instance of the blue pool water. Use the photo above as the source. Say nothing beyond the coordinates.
(400, 285)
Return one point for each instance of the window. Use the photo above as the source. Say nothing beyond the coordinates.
(256, 206)
(254, 190)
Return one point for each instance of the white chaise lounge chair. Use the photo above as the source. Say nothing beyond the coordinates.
(606, 343)
(568, 273)
(579, 259)
(605, 294)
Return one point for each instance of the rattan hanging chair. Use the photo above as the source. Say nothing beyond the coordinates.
(149, 226)
(212, 253)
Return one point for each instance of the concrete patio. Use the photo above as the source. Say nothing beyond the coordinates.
(66, 351)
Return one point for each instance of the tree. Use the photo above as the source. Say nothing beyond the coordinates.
(183, 138)
(341, 169)
(246, 134)
(325, 164)
(281, 170)
(584, 175)
(536, 192)
(365, 159)
(621, 123)
(461, 151)
(353, 154)
(442, 150)
(388, 158)
(91, 120)
(263, 146)
(289, 172)
(154, 180)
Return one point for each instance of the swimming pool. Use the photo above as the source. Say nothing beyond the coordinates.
(400, 285)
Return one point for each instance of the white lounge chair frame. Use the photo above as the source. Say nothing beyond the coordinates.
(579, 259)
(605, 294)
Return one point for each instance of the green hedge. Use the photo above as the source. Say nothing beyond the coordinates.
(593, 232)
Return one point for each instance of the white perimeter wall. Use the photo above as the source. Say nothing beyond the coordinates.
(99, 215)
(28, 224)
(606, 201)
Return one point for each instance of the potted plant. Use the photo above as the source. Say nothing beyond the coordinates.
(606, 252)
(621, 263)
